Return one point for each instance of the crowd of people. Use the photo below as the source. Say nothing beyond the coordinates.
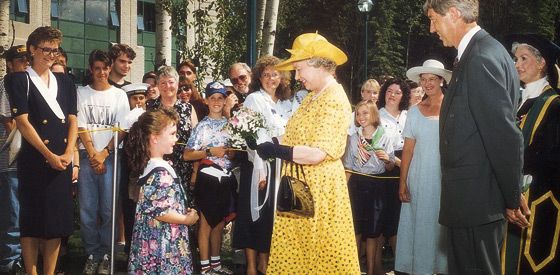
(455, 170)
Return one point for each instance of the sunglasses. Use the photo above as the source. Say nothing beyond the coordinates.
(47, 51)
(236, 80)
(184, 89)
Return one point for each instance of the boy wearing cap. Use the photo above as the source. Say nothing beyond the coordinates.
(214, 180)
(10, 249)
(100, 106)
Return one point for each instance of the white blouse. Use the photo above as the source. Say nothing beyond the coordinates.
(394, 127)
(276, 114)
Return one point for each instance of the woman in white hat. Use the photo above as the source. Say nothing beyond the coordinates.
(315, 136)
(421, 239)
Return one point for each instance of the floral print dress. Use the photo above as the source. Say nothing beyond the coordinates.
(159, 247)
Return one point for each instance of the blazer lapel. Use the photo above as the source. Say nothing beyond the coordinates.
(455, 77)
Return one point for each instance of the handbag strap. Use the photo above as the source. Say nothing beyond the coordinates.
(290, 165)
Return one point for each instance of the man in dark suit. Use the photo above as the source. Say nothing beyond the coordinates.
(480, 144)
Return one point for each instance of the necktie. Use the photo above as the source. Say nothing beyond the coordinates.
(455, 62)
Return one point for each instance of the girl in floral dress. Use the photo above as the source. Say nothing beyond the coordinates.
(160, 243)
(214, 182)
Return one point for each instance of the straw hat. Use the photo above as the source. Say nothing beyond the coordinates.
(430, 66)
(310, 45)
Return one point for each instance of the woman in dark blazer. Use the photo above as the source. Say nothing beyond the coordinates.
(44, 107)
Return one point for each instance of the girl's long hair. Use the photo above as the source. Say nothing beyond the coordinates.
(138, 145)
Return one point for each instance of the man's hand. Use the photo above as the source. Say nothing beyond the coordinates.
(519, 216)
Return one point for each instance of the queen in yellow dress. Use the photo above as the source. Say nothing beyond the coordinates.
(316, 138)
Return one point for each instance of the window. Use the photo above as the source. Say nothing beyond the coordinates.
(71, 10)
(97, 12)
(19, 10)
(146, 16)
(54, 8)
(114, 10)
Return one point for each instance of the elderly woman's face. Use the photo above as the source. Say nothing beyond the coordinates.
(45, 54)
(167, 86)
(528, 68)
(309, 76)
(270, 79)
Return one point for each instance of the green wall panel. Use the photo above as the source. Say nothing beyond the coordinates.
(97, 32)
(95, 45)
(71, 29)
(74, 45)
(76, 60)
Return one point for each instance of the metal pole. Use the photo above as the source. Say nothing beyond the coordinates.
(251, 32)
(114, 194)
(366, 46)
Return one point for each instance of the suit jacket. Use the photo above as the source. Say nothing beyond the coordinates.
(480, 144)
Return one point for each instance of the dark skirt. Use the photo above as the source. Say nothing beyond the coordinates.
(46, 206)
(213, 196)
(367, 198)
(248, 233)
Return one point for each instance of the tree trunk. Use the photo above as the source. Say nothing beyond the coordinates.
(163, 35)
(4, 32)
(261, 7)
(269, 28)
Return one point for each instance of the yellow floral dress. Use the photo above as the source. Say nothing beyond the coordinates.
(324, 244)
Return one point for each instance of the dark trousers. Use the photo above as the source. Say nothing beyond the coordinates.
(475, 250)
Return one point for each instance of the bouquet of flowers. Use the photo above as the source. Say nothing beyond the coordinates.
(244, 124)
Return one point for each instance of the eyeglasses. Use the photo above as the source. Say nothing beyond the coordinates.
(396, 93)
(184, 89)
(52, 51)
(272, 75)
(235, 80)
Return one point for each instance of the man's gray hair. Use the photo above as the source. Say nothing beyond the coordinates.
(167, 71)
(240, 64)
(468, 8)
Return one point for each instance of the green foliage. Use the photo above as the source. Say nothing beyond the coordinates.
(398, 36)
(219, 33)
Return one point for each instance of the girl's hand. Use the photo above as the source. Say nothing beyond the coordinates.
(404, 195)
(191, 217)
(381, 155)
(218, 151)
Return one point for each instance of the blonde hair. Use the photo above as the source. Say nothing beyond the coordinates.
(371, 83)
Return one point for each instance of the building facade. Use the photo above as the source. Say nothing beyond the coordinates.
(92, 24)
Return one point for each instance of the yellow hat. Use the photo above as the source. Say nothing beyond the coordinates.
(310, 45)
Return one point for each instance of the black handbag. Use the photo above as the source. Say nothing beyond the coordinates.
(294, 196)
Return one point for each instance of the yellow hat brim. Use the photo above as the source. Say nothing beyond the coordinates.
(314, 48)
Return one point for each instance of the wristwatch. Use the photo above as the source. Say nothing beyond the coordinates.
(208, 153)
(108, 150)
